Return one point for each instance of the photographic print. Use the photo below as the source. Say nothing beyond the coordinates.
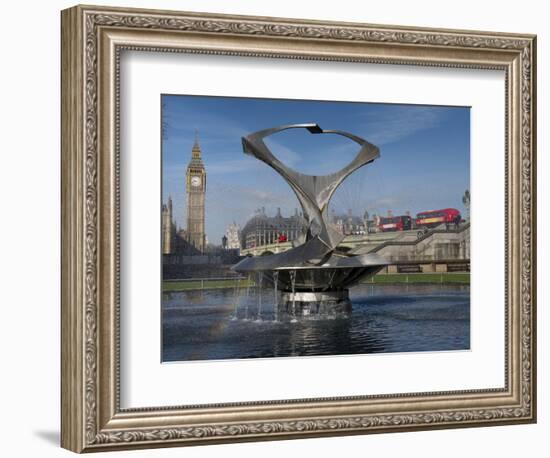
(295, 228)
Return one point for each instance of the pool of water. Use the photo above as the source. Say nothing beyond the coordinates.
(234, 324)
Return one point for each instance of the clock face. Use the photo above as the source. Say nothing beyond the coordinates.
(195, 181)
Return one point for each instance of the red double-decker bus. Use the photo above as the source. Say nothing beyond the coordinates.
(433, 218)
(395, 223)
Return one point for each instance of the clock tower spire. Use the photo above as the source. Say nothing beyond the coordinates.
(195, 180)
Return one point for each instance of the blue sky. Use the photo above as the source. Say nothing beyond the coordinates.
(424, 162)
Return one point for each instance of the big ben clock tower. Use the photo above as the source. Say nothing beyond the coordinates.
(195, 183)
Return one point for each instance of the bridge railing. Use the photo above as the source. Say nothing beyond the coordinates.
(439, 258)
(420, 277)
(183, 284)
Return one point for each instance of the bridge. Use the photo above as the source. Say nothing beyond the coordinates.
(351, 241)
(437, 250)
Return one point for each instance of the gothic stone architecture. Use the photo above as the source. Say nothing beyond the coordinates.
(195, 185)
(232, 234)
(192, 240)
(168, 228)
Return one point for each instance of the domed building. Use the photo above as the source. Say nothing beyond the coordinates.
(262, 229)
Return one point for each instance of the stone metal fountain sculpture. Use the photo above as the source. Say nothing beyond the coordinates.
(314, 276)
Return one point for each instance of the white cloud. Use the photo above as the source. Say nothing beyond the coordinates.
(237, 165)
(393, 125)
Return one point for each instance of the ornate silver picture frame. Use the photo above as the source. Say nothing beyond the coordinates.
(93, 39)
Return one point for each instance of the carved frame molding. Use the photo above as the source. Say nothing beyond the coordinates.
(92, 39)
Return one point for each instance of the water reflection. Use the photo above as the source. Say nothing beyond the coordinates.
(243, 323)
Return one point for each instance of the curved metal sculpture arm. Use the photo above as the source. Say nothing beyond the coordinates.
(318, 189)
(313, 192)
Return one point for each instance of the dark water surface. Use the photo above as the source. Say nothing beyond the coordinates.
(228, 324)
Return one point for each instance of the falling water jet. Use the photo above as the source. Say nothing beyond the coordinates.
(249, 279)
(260, 279)
(236, 300)
(293, 286)
(276, 294)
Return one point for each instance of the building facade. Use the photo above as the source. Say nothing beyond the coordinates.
(168, 228)
(262, 229)
(232, 234)
(350, 224)
(195, 185)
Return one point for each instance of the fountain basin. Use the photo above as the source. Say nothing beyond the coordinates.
(308, 289)
(318, 279)
(303, 303)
